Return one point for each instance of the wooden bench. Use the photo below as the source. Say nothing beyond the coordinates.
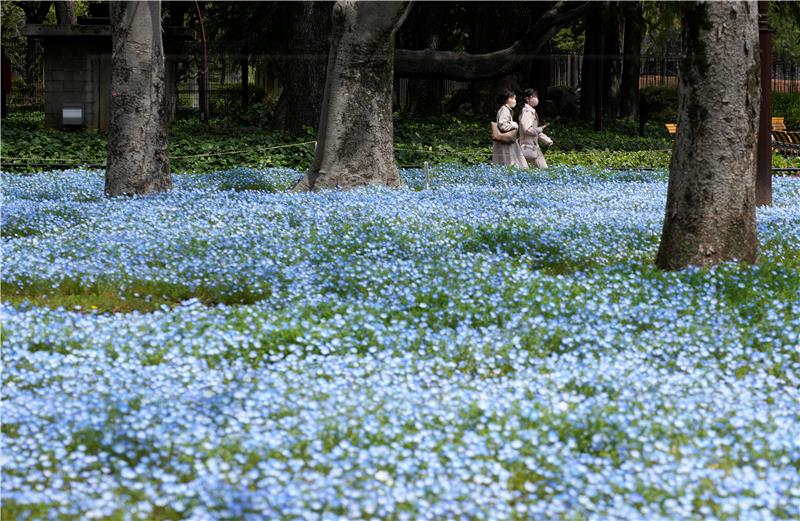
(777, 124)
(786, 141)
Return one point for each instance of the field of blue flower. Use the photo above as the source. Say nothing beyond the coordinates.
(497, 347)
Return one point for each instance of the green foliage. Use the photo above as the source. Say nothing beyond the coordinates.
(464, 139)
(663, 27)
(229, 98)
(570, 39)
(662, 102)
(24, 142)
(228, 143)
(784, 19)
(787, 104)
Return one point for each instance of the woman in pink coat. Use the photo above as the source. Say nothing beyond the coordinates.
(507, 153)
(530, 133)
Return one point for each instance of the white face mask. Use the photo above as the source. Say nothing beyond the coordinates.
(534, 101)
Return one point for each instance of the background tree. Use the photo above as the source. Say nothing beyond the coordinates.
(66, 12)
(35, 13)
(710, 213)
(784, 19)
(355, 142)
(137, 136)
(592, 54)
(303, 78)
(490, 65)
(631, 59)
(612, 66)
(425, 28)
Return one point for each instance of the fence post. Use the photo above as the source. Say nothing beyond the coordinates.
(764, 152)
(427, 176)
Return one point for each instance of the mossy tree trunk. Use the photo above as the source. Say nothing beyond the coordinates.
(710, 212)
(137, 136)
(355, 144)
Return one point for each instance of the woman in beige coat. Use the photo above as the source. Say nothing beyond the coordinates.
(507, 153)
(530, 133)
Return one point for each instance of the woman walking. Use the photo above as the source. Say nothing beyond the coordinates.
(530, 133)
(507, 153)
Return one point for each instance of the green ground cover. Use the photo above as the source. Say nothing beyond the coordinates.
(225, 144)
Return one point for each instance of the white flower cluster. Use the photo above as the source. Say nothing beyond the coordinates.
(498, 347)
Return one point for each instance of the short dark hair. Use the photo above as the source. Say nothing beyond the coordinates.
(504, 95)
(527, 93)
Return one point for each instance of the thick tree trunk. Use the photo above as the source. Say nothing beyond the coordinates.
(710, 213)
(65, 12)
(300, 104)
(355, 144)
(137, 137)
(631, 60)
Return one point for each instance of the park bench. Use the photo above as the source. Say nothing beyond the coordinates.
(786, 141)
(781, 137)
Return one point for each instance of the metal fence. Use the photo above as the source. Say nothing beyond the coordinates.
(565, 70)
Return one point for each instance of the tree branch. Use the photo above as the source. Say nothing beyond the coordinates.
(430, 63)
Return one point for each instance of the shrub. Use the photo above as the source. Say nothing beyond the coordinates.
(662, 103)
(787, 104)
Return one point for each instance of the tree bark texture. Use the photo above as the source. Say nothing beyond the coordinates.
(65, 12)
(631, 60)
(710, 212)
(355, 144)
(300, 104)
(137, 137)
(431, 63)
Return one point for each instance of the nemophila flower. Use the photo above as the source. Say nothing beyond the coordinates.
(496, 346)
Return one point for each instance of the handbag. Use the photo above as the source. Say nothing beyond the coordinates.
(503, 137)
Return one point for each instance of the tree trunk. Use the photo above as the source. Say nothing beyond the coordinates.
(591, 54)
(489, 31)
(710, 212)
(137, 137)
(355, 144)
(631, 60)
(612, 67)
(35, 13)
(65, 12)
(428, 32)
(300, 104)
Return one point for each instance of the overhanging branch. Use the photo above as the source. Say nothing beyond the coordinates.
(469, 67)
